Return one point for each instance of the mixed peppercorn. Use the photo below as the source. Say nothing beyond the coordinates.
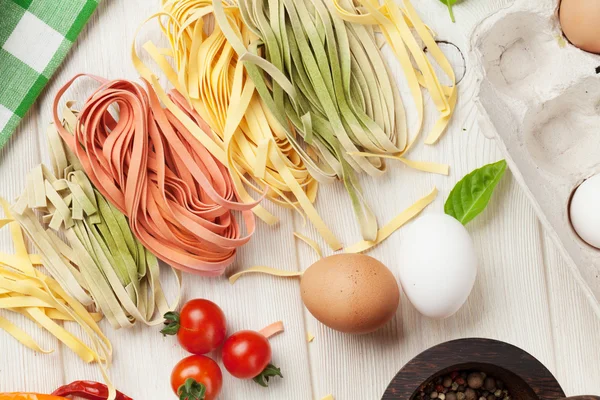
(463, 385)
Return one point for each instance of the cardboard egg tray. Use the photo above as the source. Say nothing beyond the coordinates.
(540, 98)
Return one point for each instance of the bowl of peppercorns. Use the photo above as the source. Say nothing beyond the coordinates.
(476, 369)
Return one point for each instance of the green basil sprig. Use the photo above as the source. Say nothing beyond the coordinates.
(472, 193)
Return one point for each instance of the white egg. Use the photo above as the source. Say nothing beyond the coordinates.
(438, 265)
(585, 211)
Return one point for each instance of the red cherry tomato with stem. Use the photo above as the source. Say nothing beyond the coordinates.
(197, 378)
(200, 326)
(247, 355)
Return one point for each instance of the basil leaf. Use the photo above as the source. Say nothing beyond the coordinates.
(449, 4)
(472, 193)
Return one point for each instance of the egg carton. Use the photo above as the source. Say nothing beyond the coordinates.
(539, 96)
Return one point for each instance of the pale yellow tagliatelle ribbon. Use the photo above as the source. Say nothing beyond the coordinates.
(27, 291)
(264, 270)
(383, 233)
(434, 168)
(392, 226)
(314, 245)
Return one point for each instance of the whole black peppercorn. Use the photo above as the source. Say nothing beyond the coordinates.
(475, 380)
(489, 384)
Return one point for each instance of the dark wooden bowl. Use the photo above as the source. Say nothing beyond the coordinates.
(524, 376)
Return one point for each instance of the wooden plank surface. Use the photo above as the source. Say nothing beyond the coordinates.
(524, 292)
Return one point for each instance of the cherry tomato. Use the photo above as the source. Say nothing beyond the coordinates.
(200, 326)
(246, 354)
(204, 371)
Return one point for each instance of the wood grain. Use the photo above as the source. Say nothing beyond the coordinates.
(524, 293)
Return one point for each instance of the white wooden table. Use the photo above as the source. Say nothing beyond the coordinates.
(524, 293)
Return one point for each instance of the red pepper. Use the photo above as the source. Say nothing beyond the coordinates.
(88, 390)
(29, 396)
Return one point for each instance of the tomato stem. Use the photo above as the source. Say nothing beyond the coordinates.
(191, 390)
(270, 371)
(172, 323)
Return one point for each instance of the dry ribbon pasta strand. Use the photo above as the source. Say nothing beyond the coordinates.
(178, 197)
(273, 329)
(396, 223)
(215, 83)
(27, 291)
(121, 276)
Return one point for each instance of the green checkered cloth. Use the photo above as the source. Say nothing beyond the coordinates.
(35, 36)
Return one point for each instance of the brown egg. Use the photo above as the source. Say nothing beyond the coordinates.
(350, 293)
(580, 20)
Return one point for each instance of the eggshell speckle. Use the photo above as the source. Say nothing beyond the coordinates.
(580, 20)
(351, 293)
(438, 265)
(585, 211)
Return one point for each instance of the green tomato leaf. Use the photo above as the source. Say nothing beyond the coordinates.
(171, 324)
(449, 4)
(270, 371)
(472, 193)
(191, 390)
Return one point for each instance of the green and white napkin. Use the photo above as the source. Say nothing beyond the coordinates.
(35, 36)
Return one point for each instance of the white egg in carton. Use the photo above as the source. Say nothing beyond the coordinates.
(540, 96)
